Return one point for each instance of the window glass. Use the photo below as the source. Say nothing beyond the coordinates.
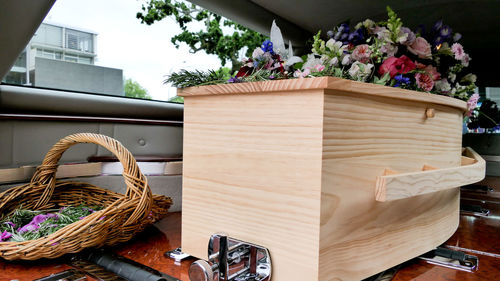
(77, 41)
(71, 58)
(87, 60)
(48, 34)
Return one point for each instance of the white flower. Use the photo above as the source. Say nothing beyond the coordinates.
(469, 78)
(334, 61)
(279, 47)
(311, 62)
(452, 76)
(334, 46)
(442, 85)
(257, 53)
(383, 34)
(360, 71)
(346, 60)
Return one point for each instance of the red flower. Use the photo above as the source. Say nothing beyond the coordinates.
(395, 66)
(424, 81)
(244, 71)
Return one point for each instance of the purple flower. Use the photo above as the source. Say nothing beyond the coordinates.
(267, 46)
(5, 235)
(38, 219)
(438, 25)
(29, 227)
(233, 80)
(9, 223)
(411, 36)
(271, 77)
(401, 80)
(445, 32)
(53, 216)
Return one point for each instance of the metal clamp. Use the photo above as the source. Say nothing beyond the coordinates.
(230, 259)
(474, 210)
(451, 259)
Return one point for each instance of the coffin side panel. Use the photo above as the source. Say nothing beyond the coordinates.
(363, 136)
(252, 169)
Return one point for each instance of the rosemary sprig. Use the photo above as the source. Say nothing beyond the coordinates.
(185, 78)
(59, 219)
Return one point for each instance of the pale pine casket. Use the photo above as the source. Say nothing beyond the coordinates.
(339, 179)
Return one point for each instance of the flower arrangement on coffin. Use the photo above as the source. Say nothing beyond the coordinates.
(385, 53)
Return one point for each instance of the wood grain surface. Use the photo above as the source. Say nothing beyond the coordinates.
(252, 169)
(406, 185)
(287, 163)
(363, 136)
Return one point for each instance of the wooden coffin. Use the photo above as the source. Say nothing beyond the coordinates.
(338, 179)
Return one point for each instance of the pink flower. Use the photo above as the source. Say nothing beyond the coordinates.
(396, 66)
(472, 104)
(302, 74)
(458, 51)
(5, 235)
(361, 53)
(424, 81)
(389, 49)
(421, 48)
(432, 72)
(319, 67)
(465, 60)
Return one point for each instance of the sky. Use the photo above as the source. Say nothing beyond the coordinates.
(144, 52)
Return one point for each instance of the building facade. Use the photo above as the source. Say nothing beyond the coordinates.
(64, 58)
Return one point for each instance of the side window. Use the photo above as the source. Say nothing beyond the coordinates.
(100, 49)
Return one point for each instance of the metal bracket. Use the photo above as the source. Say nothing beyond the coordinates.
(451, 259)
(230, 259)
(177, 255)
(474, 210)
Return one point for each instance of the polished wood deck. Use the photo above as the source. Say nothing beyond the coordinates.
(478, 236)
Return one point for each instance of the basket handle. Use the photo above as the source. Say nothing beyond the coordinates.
(136, 182)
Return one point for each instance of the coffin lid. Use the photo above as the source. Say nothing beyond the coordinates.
(317, 83)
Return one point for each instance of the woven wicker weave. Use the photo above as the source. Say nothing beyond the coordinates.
(123, 216)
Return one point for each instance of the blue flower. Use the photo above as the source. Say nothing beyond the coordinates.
(401, 80)
(267, 46)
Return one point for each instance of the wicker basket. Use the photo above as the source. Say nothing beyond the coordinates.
(123, 215)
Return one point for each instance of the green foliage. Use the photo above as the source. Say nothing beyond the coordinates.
(185, 78)
(394, 24)
(21, 217)
(134, 90)
(177, 99)
(382, 80)
(318, 44)
(211, 39)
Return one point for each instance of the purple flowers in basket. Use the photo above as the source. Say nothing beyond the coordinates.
(35, 223)
(25, 225)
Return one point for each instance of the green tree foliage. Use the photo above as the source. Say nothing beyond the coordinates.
(177, 99)
(212, 39)
(134, 90)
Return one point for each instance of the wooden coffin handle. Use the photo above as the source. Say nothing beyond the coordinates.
(392, 186)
